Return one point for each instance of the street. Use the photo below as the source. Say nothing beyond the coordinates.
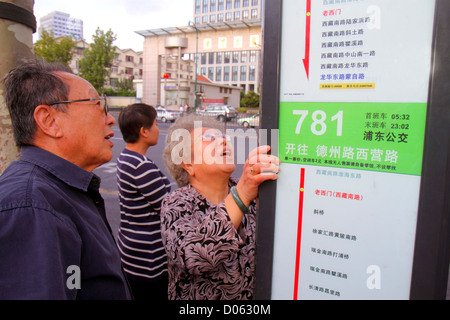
(107, 172)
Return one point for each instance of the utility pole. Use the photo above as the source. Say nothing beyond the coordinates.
(190, 23)
(17, 25)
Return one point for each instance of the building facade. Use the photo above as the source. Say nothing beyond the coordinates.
(219, 11)
(62, 24)
(127, 64)
(223, 44)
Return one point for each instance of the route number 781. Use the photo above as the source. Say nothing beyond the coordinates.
(318, 126)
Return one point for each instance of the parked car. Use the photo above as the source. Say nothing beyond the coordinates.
(164, 115)
(252, 121)
(221, 112)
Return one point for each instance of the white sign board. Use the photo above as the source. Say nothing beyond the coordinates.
(354, 85)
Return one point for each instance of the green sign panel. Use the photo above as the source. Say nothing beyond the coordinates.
(384, 137)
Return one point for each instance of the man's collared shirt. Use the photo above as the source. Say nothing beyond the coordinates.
(55, 240)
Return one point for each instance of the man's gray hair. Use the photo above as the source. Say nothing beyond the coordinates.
(28, 85)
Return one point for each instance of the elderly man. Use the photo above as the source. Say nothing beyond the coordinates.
(55, 241)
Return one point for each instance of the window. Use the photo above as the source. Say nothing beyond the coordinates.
(243, 73)
(129, 58)
(226, 58)
(220, 17)
(226, 74)
(194, 57)
(237, 15)
(254, 13)
(245, 15)
(212, 6)
(237, 4)
(252, 56)
(219, 57)
(244, 56)
(220, 5)
(212, 18)
(229, 4)
(234, 74)
(252, 73)
(211, 73)
(203, 58)
(236, 57)
(211, 58)
(205, 6)
(219, 74)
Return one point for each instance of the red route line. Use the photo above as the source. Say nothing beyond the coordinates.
(299, 232)
(307, 38)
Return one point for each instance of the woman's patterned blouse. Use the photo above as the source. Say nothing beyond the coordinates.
(207, 257)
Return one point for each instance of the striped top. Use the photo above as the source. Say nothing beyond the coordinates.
(142, 187)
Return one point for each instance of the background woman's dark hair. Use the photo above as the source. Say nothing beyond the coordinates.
(133, 118)
(27, 86)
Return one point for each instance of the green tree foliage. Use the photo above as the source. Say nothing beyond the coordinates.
(53, 49)
(249, 100)
(96, 64)
(124, 88)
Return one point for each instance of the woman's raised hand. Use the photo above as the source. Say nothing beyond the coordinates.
(259, 167)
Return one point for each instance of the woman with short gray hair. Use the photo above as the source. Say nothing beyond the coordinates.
(208, 225)
(184, 124)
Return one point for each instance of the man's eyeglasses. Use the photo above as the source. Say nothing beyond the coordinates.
(103, 102)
